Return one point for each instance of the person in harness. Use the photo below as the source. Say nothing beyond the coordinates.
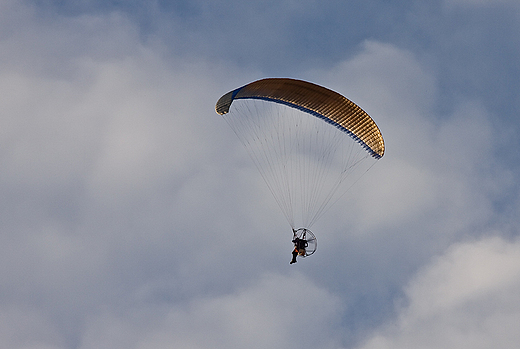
(299, 247)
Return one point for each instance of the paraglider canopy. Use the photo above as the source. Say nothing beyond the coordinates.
(314, 99)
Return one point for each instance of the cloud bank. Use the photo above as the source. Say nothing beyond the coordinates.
(466, 298)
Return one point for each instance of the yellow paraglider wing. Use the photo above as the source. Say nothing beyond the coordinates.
(319, 101)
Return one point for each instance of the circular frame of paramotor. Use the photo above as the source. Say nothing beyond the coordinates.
(307, 235)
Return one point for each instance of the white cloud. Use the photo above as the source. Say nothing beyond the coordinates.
(87, 104)
(274, 311)
(466, 298)
(98, 133)
(25, 327)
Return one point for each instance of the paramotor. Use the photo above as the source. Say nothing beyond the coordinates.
(309, 143)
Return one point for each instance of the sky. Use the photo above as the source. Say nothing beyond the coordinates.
(132, 217)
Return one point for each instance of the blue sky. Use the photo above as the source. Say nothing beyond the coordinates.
(133, 218)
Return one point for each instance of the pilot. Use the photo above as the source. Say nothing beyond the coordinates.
(299, 248)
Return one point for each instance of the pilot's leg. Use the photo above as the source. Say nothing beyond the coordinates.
(294, 254)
